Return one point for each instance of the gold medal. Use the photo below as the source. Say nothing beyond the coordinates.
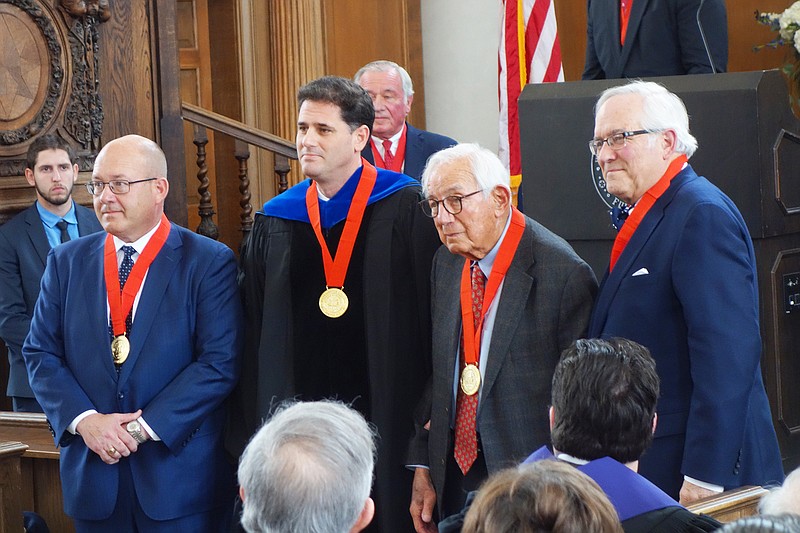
(470, 380)
(120, 348)
(333, 302)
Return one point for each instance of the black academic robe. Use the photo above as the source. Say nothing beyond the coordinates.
(378, 354)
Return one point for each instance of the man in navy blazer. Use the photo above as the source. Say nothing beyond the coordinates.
(392, 92)
(25, 241)
(682, 281)
(662, 38)
(136, 404)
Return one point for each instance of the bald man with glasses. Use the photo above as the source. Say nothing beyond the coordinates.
(507, 297)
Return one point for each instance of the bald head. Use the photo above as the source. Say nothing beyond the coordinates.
(137, 170)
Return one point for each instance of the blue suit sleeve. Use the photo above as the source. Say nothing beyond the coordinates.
(717, 290)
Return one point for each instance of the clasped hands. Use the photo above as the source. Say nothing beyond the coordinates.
(106, 435)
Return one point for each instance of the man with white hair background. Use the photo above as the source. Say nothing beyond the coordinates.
(309, 470)
(395, 144)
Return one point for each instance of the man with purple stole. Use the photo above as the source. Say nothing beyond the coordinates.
(335, 280)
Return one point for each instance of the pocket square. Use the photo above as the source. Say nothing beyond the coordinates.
(640, 272)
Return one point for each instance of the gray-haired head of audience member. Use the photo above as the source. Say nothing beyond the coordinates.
(661, 110)
(783, 523)
(783, 499)
(309, 469)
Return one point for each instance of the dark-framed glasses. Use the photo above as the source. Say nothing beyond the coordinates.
(452, 204)
(615, 141)
(95, 188)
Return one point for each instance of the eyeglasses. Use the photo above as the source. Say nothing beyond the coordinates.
(95, 188)
(615, 141)
(452, 204)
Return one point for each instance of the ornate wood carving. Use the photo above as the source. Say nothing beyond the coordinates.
(47, 90)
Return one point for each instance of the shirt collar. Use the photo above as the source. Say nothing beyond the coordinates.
(138, 244)
(50, 219)
(394, 138)
(488, 260)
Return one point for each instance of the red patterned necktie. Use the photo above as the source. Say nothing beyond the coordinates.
(388, 158)
(466, 446)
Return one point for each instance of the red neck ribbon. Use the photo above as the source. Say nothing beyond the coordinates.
(120, 302)
(399, 157)
(472, 336)
(624, 17)
(336, 269)
(643, 206)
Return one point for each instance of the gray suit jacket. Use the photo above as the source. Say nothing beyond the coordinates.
(23, 255)
(545, 304)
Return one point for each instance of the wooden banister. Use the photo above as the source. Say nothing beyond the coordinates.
(730, 505)
(244, 137)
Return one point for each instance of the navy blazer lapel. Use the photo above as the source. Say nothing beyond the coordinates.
(637, 13)
(96, 296)
(36, 233)
(626, 259)
(155, 287)
(414, 148)
(85, 223)
(517, 287)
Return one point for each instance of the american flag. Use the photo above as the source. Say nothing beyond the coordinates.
(529, 53)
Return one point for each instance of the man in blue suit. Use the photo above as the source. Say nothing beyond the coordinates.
(133, 381)
(645, 38)
(396, 144)
(682, 281)
(25, 241)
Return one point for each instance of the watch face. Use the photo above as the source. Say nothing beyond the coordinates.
(133, 426)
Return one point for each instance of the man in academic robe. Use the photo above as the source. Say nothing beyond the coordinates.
(395, 144)
(508, 297)
(25, 241)
(335, 280)
(682, 281)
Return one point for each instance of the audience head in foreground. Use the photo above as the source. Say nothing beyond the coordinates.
(539, 497)
(604, 400)
(783, 523)
(783, 499)
(309, 470)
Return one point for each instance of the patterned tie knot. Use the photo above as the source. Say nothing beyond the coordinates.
(63, 225)
(127, 265)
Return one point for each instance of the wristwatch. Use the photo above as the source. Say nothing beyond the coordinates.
(134, 429)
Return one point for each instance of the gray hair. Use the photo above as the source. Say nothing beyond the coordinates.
(661, 110)
(783, 499)
(388, 66)
(307, 470)
(484, 165)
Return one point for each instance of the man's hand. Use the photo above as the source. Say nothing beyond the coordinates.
(106, 436)
(423, 499)
(691, 492)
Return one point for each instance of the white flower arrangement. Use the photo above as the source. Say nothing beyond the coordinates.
(786, 24)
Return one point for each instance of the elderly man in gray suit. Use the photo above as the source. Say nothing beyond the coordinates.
(507, 297)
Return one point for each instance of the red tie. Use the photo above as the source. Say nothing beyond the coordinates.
(466, 446)
(388, 158)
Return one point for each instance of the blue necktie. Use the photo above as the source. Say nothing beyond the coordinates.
(124, 272)
(618, 216)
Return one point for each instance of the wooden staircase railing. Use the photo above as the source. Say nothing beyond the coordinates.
(244, 137)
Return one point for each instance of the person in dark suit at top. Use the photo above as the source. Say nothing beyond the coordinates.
(134, 347)
(520, 295)
(392, 92)
(682, 281)
(25, 241)
(646, 38)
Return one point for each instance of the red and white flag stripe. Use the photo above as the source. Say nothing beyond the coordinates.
(529, 53)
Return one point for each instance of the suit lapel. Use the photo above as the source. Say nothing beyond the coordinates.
(36, 233)
(84, 218)
(414, 149)
(517, 288)
(155, 287)
(450, 317)
(648, 225)
(637, 12)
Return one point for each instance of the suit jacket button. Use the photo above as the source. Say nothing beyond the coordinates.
(120, 395)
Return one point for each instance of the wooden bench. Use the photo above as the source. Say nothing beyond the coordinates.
(730, 505)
